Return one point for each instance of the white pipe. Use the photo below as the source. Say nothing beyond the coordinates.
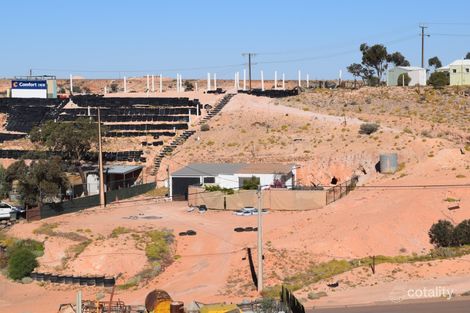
(215, 81)
(308, 81)
(283, 81)
(197, 108)
(275, 79)
(148, 82)
(208, 81)
(181, 83)
(161, 83)
(125, 84)
(196, 86)
(262, 81)
(300, 82)
(153, 83)
(235, 81)
(105, 89)
(244, 79)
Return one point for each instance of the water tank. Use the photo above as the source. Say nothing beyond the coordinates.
(388, 163)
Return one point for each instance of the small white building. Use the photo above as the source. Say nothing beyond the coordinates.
(417, 75)
(230, 175)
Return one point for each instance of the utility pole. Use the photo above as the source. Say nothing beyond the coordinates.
(423, 27)
(260, 241)
(100, 160)
(249, 54)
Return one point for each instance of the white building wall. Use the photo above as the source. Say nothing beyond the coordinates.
(227, 181)
(29, 93)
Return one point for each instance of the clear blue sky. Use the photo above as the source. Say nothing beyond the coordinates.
(125, 37)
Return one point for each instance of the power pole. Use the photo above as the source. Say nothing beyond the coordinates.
(423, 27)
(249, 54)
(260, 242)
(100, 160)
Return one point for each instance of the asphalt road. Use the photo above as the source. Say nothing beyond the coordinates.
(452, 306)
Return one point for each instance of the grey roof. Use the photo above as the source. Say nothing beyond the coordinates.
(208, 169)
(121, 169)
(214, 169)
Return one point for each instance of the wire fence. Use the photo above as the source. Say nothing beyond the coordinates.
(340, 190)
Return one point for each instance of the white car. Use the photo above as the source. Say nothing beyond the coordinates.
(246, 211)
(6, 209)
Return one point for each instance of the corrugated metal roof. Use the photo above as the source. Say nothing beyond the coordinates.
(209, 169)
(266, 168)
(410, 68)
(460, 62)
(121, 169)
(214, 169)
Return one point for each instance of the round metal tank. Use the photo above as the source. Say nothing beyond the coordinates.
(158, 301)
(388, 163)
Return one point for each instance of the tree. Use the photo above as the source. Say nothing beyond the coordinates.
(462, 233)
(403, 79)
(467, 57)
(441, 234)
(375, 57)
(439, 79)
(356, 70)
(435, 62)
(398, 59)
(72, 140)
(43, 182)
(77, 89)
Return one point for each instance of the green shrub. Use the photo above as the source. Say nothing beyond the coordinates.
(119, 231)
(205, 127)
(368, 128)
(251, 183)
(439, 79)
(21, 263)
(158, 244)
(403, 79)
(441, 234)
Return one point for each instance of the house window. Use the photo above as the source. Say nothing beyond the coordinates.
(209, 180)
(454, 71)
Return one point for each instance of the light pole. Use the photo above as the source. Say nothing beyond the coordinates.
(100, 161)
(260, 241)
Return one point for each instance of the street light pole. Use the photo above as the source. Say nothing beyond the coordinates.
(260, 242)
(100, 161)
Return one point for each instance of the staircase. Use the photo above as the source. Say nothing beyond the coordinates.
(169, 148)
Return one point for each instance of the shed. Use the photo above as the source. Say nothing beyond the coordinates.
(417, 75)
(115, 177)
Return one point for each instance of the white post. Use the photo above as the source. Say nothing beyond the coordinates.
(71, 84)
(262, 81)
(275, 79)
(197, 108)
(125, 84)
(244, 79)
(105, 89)
(89, 111)
(300, 82)
(79, 302)
(153, 83)
(208, 81)
(235, 81)
(181, 83)
(196, 86)
(260, 241)
(148, 83)
(340, 77)
(283, 81)
(308, 81)
(215, 81)
(161, 83)
(238, 81)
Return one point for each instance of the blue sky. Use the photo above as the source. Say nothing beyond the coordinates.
(114, 38)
